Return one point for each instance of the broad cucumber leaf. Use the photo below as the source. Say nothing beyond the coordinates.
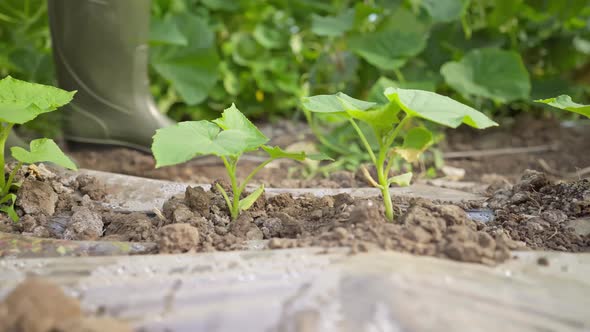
(402, 180)
(437, 108)
(337, 103)
(165, 31)
(185, 140)
(192, 69)
(333, 26)
(43, 150)
(381, 119)
(445, 10)
(415, 142)
(247, 202)
(376, 91)
(491, 73)
(239, 134)
(388, 48)
(565, 102)
(22, 101)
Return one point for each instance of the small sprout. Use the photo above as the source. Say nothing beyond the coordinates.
(227, 137)
(21, 102)
(565, 102)
(389, 120)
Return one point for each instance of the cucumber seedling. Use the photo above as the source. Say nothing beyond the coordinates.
(21, 102)
(227, 137)
(389, 121)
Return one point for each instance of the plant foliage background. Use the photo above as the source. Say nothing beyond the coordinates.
(264, 55)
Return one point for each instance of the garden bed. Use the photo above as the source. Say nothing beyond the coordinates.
(146, 216)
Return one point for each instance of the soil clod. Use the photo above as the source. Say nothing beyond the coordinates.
(178, 238)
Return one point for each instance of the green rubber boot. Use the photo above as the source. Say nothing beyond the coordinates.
(100, 49)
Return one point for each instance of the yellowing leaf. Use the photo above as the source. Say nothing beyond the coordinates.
(415, 142)
(402, 180)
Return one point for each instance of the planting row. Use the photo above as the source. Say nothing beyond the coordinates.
(396, 126)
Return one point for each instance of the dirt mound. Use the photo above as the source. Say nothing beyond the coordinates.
(536, 211)
(425, 228)
(69, 208)
(31, 307)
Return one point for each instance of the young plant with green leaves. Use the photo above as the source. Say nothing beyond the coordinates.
(566, 103)
(21, 102)
(227, 137)
(389, 121)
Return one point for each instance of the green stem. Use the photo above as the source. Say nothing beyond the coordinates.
(4, 132)
(6, 188)
(253, 173)
(389, 165)
(391, 138)
(364, 140)
(230, 166)
(399, 75)
(382, 180)
(318, 134)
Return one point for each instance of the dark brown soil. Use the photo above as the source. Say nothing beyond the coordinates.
(37, 305)
(533, 214)
(536, 211)
(569, 153)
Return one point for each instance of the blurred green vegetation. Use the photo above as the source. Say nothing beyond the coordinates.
(495, 55)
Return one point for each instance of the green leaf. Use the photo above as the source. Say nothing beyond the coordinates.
(319, 156)
(436, 108)
(415, 142)
(332, 26)
(222, 5)
(270, 37)
(43, 150)
(247, 202)
(165, 31)
(276, 152)
(191, 69)
(445, 10)
(392, 45)
(491, 73)
(337, 103)
(381, 119)
(239, 134)
(22, 101)
(376, 92)
(9, 209)
(565, 102)
(185, 140)
(402, 180)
